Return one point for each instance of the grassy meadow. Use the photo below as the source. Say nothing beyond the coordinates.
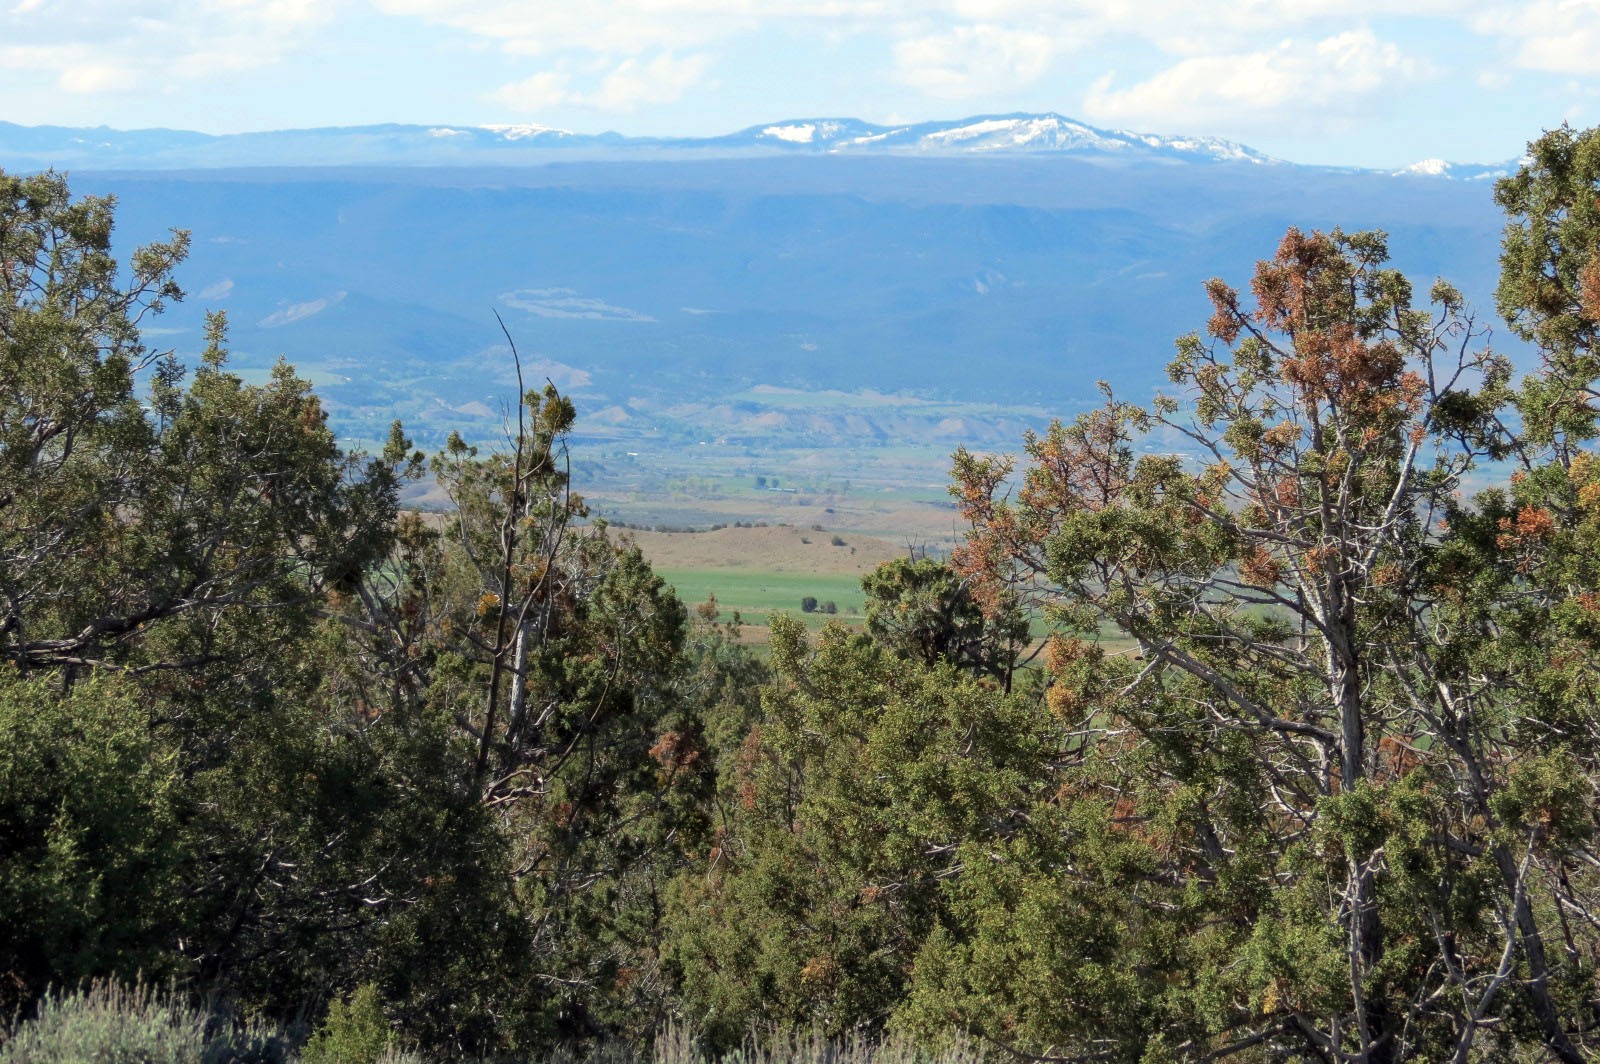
(758, 571)
(766, 569)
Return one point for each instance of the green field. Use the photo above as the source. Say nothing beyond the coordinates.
(757, 594)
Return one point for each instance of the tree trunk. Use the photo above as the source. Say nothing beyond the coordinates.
(519, 682)
(1375, 1018)
(1538, 984)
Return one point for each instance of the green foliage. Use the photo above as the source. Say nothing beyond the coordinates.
(925, 611)
(89, 852)
(721, 683)
(226, 810)
(220, 494)
(556, 656)
(1550, 263)
(355, 1031)
(845, 809)
(811, 1046)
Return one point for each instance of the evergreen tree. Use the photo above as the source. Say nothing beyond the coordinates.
(926, 611)
(848, 814)
(1299, 681)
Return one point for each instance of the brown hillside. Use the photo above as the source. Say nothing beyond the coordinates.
(777, 548)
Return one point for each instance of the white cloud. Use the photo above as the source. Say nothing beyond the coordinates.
(92, 78)
(661, 80)
(944, 48)
(1556, 36)
(543, 90)
(1296, 86)
(624, 85)
(77, 69)
(1222, 73)
(632, 26)
(619, 27)
(974, 60)
(106, 46)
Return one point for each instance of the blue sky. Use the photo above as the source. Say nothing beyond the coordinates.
(1360, 82)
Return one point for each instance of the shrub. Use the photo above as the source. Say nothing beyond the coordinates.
(808, 604)
(355, 1032)
(89, 846)
(113, 1024)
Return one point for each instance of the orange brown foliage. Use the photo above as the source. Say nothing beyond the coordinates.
(674, 750)
(1589, 288)
(1531, 526)
(1259, 567)
(1397, 758)
(1226, 320)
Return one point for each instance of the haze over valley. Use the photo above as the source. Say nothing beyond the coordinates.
(833, 301)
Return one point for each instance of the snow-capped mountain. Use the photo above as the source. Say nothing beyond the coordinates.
(28, 147)
(1457, 171)
(989, 133)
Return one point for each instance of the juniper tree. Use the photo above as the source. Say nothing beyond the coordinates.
(847, 819)
(181, 534)
(131, 527)
(923, 610)
(554, 651)
(1290, 592)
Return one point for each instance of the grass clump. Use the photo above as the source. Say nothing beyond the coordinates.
(113, 1023)
(675, 1046)
(110, 1023)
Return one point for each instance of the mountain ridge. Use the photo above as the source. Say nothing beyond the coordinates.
(446, 144)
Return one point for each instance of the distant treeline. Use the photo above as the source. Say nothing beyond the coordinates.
(480, 786)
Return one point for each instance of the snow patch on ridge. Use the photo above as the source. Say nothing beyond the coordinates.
(804, 132)
(524, 132)
(974, 131)
(800, 133)
(1428, 168)
(1456, 171)
(1047, 131)
(873, 138)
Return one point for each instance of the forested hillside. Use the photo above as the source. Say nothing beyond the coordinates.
(1304, 766)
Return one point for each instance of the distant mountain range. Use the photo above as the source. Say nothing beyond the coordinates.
(32, 147)
(803, 289)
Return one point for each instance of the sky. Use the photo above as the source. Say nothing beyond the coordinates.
(1342, 82)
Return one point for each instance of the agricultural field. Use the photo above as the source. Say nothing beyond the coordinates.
(760, 570)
